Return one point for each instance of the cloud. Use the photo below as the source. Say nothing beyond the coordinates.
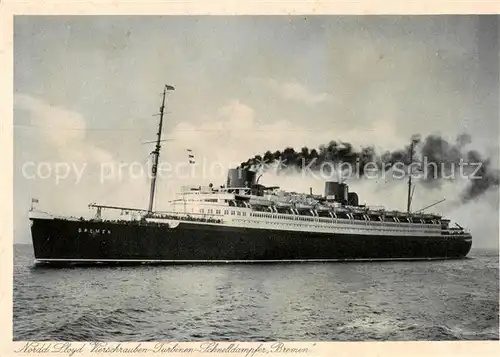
(296, 91)
(235, 130)
(292, 91)
(63, 131)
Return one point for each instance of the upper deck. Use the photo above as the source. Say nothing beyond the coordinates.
(241, 202)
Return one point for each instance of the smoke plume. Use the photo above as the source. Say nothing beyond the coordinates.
(431, 161)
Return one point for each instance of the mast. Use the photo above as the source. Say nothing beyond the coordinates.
(408, 204)
(156, 151)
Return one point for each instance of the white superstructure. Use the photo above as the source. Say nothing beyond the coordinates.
(239, 207)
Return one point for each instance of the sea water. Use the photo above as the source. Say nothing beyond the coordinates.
(421, 300)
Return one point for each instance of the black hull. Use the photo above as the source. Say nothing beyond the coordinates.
(60, 241)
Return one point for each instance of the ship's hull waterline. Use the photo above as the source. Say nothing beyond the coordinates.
(61, 242)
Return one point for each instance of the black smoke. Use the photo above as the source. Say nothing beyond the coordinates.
(433, 160)
(484, 178)
(447, 161)
(334, 152)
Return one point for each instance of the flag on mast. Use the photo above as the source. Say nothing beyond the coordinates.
(191, 156)
(169, 87)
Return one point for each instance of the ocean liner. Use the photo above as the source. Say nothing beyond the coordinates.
(243, 221)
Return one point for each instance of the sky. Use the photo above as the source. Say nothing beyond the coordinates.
(86, 89)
